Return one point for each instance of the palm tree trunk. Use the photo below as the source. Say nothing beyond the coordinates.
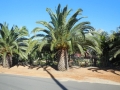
(5, 65)
(66, 60)
(7, 61)
(63, 60)
(61, 63)
(10, 61)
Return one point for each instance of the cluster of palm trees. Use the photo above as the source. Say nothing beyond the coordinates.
(62, 37)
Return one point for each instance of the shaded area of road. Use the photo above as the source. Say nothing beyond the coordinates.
(16, 82)
(56, 81)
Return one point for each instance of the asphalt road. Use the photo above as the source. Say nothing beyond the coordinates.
(16, 82)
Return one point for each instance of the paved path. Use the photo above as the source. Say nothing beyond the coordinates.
(16, 82)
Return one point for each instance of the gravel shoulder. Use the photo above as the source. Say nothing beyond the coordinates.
(90, 74)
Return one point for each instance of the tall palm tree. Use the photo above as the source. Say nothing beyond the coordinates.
(62, 33)
(8, 42)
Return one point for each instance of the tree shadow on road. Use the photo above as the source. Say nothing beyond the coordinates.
(56, 81)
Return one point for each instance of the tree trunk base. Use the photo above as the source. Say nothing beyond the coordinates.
(61, 68)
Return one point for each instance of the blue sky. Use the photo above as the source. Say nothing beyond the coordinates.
(103, 14)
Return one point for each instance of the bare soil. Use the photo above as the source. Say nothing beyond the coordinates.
(75, 73)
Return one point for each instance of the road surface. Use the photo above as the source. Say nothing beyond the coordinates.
(17, 82)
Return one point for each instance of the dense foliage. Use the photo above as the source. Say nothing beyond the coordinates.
(63, 37)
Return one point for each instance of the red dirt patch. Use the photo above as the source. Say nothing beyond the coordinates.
(73, 73)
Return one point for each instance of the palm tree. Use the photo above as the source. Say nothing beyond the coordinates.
(22, 42)
(62, 34)
(8, 42)
(114, 45)
(100, 45)
(31, 51)
(96, 43)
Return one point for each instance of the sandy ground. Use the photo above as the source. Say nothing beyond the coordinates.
(75, 73)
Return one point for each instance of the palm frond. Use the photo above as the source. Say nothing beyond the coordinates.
(46, 25)
(81, 49)
(42, 44)
(37, 29)
(73, 19)
(116, 53)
